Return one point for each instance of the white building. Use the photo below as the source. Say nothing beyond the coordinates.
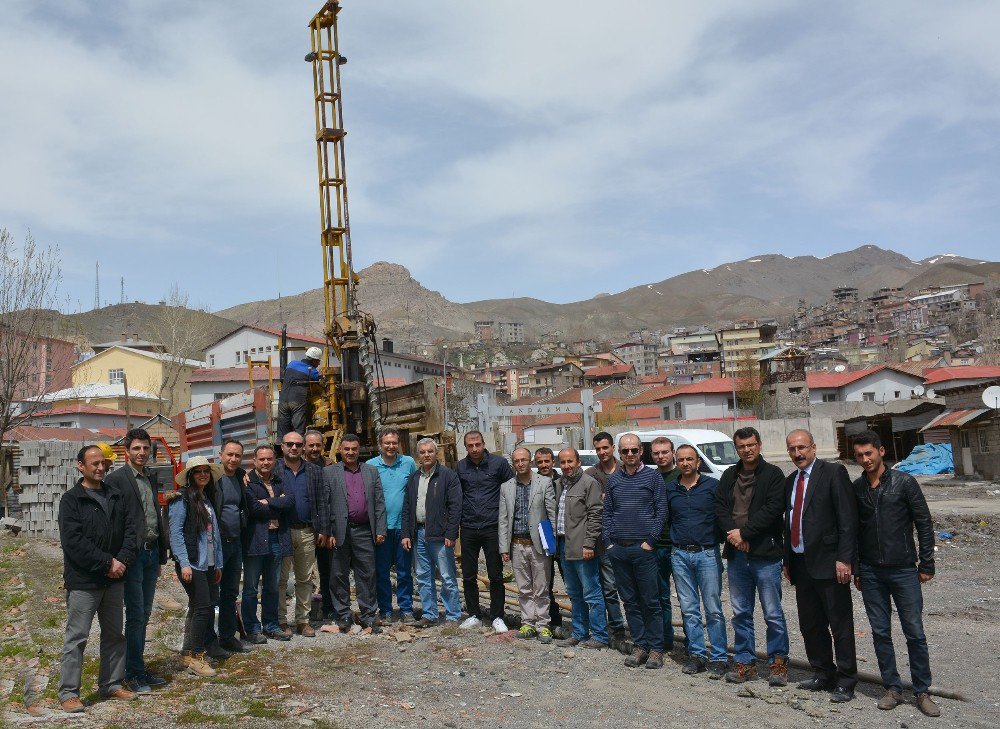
(874, 384)
(210, 384)
(258, 343)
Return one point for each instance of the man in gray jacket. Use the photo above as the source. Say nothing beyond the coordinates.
(357, 524)
(525, 501)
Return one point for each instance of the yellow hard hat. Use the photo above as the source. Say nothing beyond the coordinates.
(108, 451)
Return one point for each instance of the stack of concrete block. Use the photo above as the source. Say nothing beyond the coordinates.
(47, 470)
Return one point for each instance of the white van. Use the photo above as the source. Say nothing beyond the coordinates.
(715, 449)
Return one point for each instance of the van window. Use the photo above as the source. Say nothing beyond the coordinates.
(722, 453)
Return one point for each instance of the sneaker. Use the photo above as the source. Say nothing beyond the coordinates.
(500, 626)
(717, 669)
(638, 657)
(154, 681)
(742, 672)
(527, 632)
(695, 664)
(570, 642)
(138, 685)
(256, 639)
(778, 671)
(234, 645)
(890, 701)
(72, 705)
(655, 660)
(594, 644)
(927, 705)
(471, 622)
(545, 636)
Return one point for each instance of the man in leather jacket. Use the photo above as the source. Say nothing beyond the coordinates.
(890, 507)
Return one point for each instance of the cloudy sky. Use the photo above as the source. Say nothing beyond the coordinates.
(550, 149)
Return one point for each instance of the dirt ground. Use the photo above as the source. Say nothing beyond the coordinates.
(450, 678)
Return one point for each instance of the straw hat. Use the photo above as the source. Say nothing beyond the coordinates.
(194, 462)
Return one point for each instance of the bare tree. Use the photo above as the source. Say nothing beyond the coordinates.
(29, 280)
(176, 328)
(749, 390)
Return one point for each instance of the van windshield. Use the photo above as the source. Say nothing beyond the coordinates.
(722, 453)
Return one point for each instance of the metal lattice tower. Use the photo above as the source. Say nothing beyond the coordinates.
(346, 405)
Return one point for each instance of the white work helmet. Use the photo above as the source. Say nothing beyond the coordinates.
(314, 353)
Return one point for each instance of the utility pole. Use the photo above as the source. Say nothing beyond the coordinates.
(97, 285)
(444, 390)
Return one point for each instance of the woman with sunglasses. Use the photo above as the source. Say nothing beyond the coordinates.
(197, 551)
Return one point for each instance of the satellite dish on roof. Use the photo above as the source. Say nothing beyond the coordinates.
(931, 393)
(839, 368)
(991, 397)
(918, 390)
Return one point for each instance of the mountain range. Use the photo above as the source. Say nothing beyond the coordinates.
(764, 286)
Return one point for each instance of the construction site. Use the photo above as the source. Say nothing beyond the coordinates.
(446, 676)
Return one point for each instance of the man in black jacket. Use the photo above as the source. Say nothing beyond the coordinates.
(99, 544)
(233, 514)
(749, 510)
(890, 506)
(141, 492)
(821, 540)
(432, 513)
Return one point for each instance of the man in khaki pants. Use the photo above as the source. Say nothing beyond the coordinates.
(308, 521)
(526, 500)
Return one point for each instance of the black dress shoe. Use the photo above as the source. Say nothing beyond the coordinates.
(217, 651)
(817, 684)
(277, 635)
(234, 645)
(256, 639)
(842, 695)
(374, 627)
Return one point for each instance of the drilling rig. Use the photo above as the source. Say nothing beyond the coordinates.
(347, 399)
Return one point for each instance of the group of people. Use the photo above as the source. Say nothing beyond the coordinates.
(617, 531)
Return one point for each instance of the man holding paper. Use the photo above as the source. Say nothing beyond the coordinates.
(526, 502)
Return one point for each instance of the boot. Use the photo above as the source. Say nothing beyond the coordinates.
(196, 664)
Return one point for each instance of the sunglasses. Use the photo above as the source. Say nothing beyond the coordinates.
(630, 451)
(295, 444)
(204, 471)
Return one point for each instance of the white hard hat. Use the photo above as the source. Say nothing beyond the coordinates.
(314, 353)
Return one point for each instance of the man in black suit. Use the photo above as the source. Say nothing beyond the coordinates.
(821, 534)
(357, 523)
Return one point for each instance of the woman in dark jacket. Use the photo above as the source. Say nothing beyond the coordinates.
(196, 546)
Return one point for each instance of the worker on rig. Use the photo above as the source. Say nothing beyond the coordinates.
(293, 401)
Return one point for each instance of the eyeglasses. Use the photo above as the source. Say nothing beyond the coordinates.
(293, 444)
(630, 451)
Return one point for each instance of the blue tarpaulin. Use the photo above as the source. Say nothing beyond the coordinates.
(928, 459)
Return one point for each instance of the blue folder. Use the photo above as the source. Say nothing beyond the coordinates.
(548, 537)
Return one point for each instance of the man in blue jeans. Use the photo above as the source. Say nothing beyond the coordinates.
(749, 511)
(432, 514)
(578, 539)
(394, 468)
(696, 562)
(890, 507)
(141, 494)
(634, 513)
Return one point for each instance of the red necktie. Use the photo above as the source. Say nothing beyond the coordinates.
(797, 509)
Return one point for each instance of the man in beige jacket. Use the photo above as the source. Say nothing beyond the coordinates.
(526, 500)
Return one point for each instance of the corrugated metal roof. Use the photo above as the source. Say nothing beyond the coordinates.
(955, 418)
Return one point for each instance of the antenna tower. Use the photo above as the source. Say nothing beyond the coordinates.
(97, 285)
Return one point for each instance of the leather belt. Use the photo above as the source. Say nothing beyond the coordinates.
(360, 523)
(301, 525)
(627, 542)
(521, 540)
(151, 545)
(693, 547)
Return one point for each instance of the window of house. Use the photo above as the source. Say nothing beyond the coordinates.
(963, 439)
(558, 431)
(896, 394)
(116, 376)
(829, 397)
(211, 360)
(65, 423)
(984, 440)
(795, 390)
(237, 356)
(868, 396)
(678, 411)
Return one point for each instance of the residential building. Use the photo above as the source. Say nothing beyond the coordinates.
(216, 383)
(608, 375)
(783, 381)
(878, 384)
(505, 332)
(79, 415)
(640, 355)
(742, 345)
(257, 343)
(974, 429)
(163, 375)
(549, 379)
(138, 402)
(50, 363)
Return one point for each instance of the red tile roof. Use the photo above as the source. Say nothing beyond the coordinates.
(823, 380)
(608, 371)
(290, 335)
(970, 372)
(25, 433)
(652, 395)
(230, 374)
(392, 382)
